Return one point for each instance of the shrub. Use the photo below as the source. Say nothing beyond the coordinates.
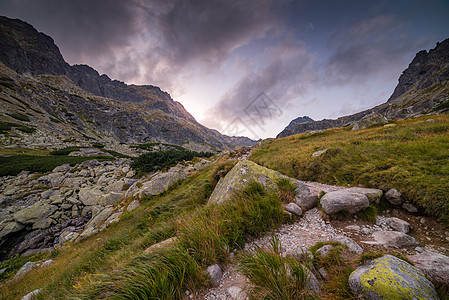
(153, 161)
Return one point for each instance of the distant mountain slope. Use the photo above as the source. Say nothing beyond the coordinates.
(423, 88)
(76, 102)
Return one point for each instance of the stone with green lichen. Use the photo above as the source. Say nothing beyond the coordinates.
(161, 182)
(243, 173)
(373, 195)
(389, 277)
(32, 214)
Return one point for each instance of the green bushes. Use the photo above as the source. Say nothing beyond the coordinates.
(20, 117)
(286, 190)
(65, 151)
(8, 125)
(153, 161)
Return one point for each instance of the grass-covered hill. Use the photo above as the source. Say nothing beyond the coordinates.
(410, 155)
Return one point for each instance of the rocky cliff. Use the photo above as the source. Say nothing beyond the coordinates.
(422, 88)
(62, 102)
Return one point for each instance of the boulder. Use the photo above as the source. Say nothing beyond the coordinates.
(304, 198)
(161, 182)
(215, 273)
(31, 295)
(394, 239)
(133, 205)
(389, 277)
(37, 211)
(409, 207)
(25, 268)
(393, 196)
(374, 195)
(62, 168)
(243, 173)
(353, 246)
(434, 265)
(293, 208)
(399, 225)
(319, 152)
(343, 200)
(323, 251)
(9, 227)
(90, 196)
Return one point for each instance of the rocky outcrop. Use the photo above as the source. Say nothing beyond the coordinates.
(394, 239)
(434, 265)
(422, 88)
(343, 200)
(389, 277)
(243, 173)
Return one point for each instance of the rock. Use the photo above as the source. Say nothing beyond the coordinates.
(43, 223)
(90, 196)
(353, 246)
(25, 268)
(312, 283)
(114, 218)
(354, 228)
(323, 251)
(47, 263)
(368, 120)
(89, 152)
(31, 295)
(343, 200)
(323, 273)
(39, 210)
(237, 293)
(393, 196)
(389, 277)
(304, 198)
(110, 198)
(434, 265)
(374, 195)
(215, 273)
(394, 239)
(399, 225)
(409, 207)
(163, 244)
(319, 152)
(293, 208)
(66, 236)
(161, 182)
(62, 168)
(239, 177)
(133, 205)
(9, 227)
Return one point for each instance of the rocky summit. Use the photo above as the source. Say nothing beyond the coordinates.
(47, 101)
(422, 88)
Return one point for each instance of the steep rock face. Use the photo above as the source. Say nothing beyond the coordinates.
(423, 88)
(82, 104)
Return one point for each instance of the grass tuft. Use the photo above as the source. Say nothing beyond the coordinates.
(286, 190)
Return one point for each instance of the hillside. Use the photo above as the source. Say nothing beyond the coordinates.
(60, 102)
(422, 88)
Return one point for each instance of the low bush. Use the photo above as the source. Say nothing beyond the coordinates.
(153, 161)
(286, 190)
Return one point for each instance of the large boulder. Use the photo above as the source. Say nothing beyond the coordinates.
(9, 227)
(399, 225)
(373, 195)
(434, 265)
(389, 277)
(353, 246)
(37, 211)
(243, 173)
(90, 196)
(344, 200)
(161, 182)
(394, 239)
(393, 196)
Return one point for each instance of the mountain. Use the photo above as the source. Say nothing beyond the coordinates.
(55, 102)
(422, 88)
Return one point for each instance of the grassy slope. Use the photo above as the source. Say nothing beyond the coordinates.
(412, 157)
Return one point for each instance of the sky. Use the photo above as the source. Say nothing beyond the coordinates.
(246, 67)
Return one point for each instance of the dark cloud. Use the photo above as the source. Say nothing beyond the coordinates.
(368, 47)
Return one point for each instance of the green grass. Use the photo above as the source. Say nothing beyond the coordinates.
(411, 157)
(286, 190)
(64, 151)
(13, 165)
(150, 146)
(4, 126)
(20, 117)
(273, 276)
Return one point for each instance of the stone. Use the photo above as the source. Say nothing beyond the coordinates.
(374, 118)
(161, 182)
(389, 277)
(43, 223)
(114, 218)
(215, 273)
(394, 239)
(353, 246)
(393, 196)
(110, 198)
(293, 208)
(323, 251)
(374, 195)
(354, 228)
(25, 268)
(343, 200)
(240, 175)
(62, 168)
(434, 265)
(399, 225)
(39, 210)
(237, 293)
(133, 205)
(319, 152)
(31, 295)
(163, 244)
(304, 198)
(90, 196)
(9, 227)
(47, 263)
(100, 217)
(409, 207)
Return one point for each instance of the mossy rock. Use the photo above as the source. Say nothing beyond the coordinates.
(238, 178)
(389, 277)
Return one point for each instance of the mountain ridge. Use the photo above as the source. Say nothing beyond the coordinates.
(422, 88)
